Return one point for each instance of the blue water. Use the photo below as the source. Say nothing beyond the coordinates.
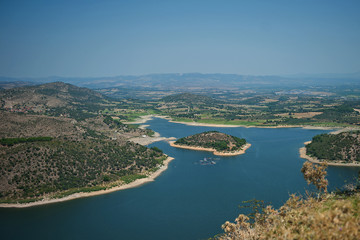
(189, 200)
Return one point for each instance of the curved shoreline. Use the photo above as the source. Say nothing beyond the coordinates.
(145, 118)
(146, 140)
(271, 127)
(303, 155)
(214, 151)
(136, 183)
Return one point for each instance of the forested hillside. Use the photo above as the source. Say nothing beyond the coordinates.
(344, 147)
(213, 139)
(54, 142)
(32, 169)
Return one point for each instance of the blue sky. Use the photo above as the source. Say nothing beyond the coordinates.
(85, 38)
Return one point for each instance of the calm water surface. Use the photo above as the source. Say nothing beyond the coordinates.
(189, 200)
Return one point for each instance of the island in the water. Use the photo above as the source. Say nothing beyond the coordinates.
(341, 149)
(220, 144)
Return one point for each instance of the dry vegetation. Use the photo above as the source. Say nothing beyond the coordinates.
(329, 216)
(81, 154)
(28, 125)
(333, 217)
(83, 151)
(30, 170)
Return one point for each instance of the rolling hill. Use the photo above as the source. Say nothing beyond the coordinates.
(53, 143)
(55, 99)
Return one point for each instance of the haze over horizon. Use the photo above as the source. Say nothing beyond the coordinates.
(112, 38)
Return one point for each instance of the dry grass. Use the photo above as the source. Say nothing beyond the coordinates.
(299, 115)
(315, 174)
(329, 216)
(332, 217)
(269, 100)
(306, 114)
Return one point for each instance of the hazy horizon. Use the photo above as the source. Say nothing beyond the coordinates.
(295, 75)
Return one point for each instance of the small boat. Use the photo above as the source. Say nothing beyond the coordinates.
(207, 161)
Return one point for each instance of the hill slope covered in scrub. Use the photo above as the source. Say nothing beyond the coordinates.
(327, 216)
(333, 217)
(74, 149)
(54, 99)
(344, 147)
(32, 169)
(48, 155)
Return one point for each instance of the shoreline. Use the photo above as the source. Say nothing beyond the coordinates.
(146, 140)
(274, 127)
(214, 151)
(141, 119)
(302, 152)
(136, 183)
(145, 118)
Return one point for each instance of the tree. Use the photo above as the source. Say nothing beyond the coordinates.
(315, 174)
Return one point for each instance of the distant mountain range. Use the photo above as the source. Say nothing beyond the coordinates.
(190, 81)
(355, 75)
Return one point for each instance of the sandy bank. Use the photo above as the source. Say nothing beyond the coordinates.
(345, 129)
(246, 126)
(303, 154)
(335, 129)
(148, 140)
(206, 124)
(144, 119)
(151, 177)
(215, 152)
(141, 119)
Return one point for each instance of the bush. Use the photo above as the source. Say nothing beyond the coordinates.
(156, 149)
(12, 141)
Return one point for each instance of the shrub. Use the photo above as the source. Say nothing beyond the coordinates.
(315, 174)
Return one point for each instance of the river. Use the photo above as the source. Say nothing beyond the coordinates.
(189, 200)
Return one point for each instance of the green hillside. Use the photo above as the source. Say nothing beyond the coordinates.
(32, 169)
(344, 147)
(213, 139)
(53, 142)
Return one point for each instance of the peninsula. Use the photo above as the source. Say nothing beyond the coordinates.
(56, 146)
(335, 149)
(220, 144)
